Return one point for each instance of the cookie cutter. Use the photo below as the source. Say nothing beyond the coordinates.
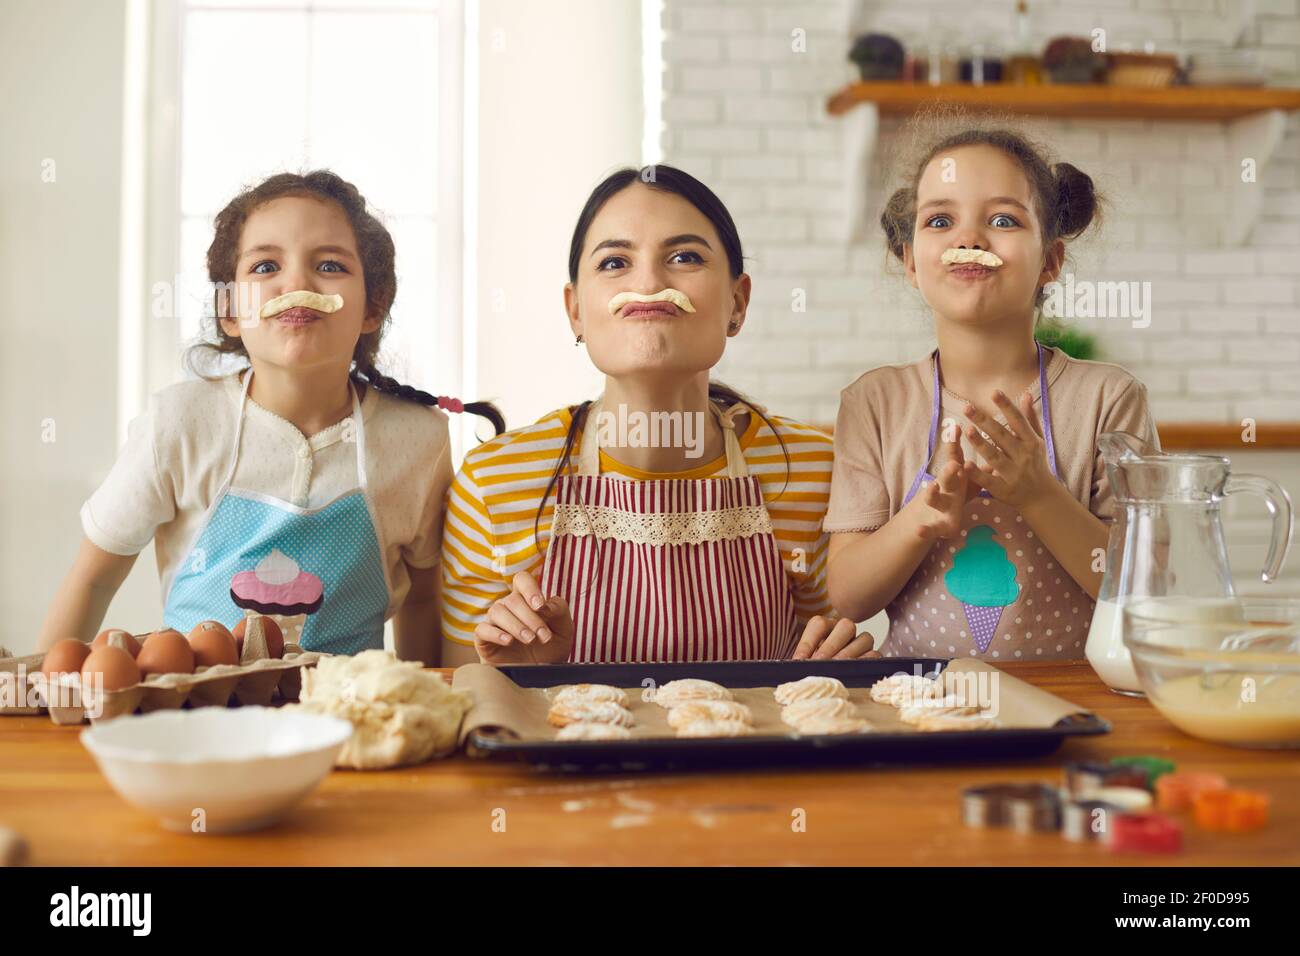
(1024, 807)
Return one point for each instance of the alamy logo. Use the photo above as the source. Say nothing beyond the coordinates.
(133, 910)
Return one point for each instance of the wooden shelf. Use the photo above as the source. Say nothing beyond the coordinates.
(1213, 103)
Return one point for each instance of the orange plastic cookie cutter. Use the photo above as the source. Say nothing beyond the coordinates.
(1176, 791)
(1230, 811)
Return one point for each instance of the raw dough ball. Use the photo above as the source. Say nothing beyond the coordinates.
(810, 688)
(680, 691)
(818, 708)
(598, 712)
(694, 710)
(714, 728)
(590, 730)
(589, 694)
(400, 713)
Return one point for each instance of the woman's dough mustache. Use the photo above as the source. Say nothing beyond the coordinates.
(963, 256)
(679, 299)
(301, 298)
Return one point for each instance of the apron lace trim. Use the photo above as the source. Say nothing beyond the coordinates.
(692, 527)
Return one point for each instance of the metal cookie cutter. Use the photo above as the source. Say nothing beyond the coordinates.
(1024, 807)
(1084, 778)
(1087, 819)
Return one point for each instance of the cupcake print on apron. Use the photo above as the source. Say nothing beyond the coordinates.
(994, 589)
(319, 572)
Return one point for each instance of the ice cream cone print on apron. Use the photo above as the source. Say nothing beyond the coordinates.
(995, 589)
(670, 569)
(319, 572)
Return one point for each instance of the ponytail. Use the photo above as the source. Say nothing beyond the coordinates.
(365, 373)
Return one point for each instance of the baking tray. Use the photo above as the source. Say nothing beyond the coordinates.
(696, 753)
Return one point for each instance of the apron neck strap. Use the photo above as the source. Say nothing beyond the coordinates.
(589, 452)
(357, 431)
(1042, 393)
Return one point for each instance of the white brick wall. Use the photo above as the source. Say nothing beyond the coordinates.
(746, 113)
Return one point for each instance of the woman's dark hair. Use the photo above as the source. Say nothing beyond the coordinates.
(1065, 198)
(374, 246)
(667, 179)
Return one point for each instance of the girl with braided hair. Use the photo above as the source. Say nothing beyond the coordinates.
(308, 485)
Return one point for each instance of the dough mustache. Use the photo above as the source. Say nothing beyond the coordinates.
(301, 299)
(961, 257)
(679, 299)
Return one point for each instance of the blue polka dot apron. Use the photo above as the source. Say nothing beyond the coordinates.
(335, 549)
(995, 590)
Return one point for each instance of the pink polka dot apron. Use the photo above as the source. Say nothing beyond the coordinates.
(670, 569)
(319, 572)
(995, 590)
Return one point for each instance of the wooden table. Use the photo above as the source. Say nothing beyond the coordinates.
(444, 812)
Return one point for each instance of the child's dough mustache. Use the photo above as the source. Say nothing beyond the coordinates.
(679, 299)
(963, 256)
(301, 298)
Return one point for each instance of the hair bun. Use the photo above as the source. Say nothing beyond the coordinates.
(1076, 200)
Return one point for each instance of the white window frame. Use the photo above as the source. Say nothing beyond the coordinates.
(149, 354)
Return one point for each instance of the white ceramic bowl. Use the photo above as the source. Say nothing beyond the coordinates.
(242, 767)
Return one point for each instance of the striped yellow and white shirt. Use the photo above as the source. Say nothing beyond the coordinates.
(493, 502)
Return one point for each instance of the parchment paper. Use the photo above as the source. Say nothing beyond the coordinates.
(500, 703)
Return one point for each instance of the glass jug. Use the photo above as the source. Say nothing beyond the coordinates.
(1167, 541)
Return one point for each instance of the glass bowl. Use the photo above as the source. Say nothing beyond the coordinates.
(1223, 671)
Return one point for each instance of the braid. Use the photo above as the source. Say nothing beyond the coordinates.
(366, 373)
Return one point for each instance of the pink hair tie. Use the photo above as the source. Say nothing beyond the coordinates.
(450, 404)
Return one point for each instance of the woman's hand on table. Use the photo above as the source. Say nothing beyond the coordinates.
(824, 639)
(525, 627)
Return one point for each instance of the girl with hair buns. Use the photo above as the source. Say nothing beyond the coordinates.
(307, 484)
(969, 499)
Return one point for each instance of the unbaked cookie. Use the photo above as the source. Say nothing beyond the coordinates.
(814, 687)
(980, 720)
(833, 725)
(947, 706)
(714, 728)
(591, 730)
(694, 710)
(598, 712)
(689, 688)
(900, 689)
(589, 694)
(819, 708)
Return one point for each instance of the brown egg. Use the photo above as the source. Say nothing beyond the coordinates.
(212, 644)
(65, 657)
(118, 668)
(119, 637)
(166, 652)
(274, 636)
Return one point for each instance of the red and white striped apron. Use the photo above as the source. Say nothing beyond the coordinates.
(670, 569)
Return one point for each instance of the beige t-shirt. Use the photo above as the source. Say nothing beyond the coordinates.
(884, 425)
(177, 455)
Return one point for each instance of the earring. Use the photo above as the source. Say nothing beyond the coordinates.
(732, 327)
(577, 341)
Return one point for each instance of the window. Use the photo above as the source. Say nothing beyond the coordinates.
(356, 87)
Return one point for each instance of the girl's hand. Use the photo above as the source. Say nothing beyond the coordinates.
(1015, 454)
(939, 502)
(823, 640)
(525, 627)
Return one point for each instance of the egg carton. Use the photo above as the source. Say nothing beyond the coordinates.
(257, 680)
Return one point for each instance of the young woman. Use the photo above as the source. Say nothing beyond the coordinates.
(969, 496)
(307, 482)
(578, 539)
